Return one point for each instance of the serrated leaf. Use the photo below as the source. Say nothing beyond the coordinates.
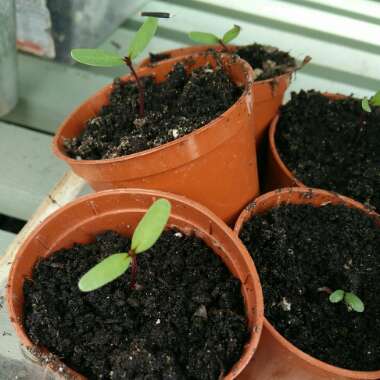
(142, 37)
(151, 226)
(336, 296)
(97, 57)
(204, 38)
(365, 105)
(375, 99)
(104, 272)
(231, 34)
(354, 302)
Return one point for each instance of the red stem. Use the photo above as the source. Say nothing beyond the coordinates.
(140, 87)
(134, 272)
(224, 46)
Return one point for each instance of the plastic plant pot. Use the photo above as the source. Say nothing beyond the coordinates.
(277, 173)
(120, 210)
(215, 165)
(277, 358)
(267, 94)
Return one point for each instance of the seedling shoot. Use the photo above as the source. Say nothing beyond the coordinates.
(210, 38)
(352, 301)
(102, 58)
(373, 101)
(147, 232)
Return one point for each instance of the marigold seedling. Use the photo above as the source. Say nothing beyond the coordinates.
(373, 101)
(210, 38)
(101, 58)
(352, 301)
(144, 237)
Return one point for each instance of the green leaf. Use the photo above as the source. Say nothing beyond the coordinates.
(365, 105)
(375, 100)
(231, 34)
(204, 38)
(104, 272)
(97, 57)
(151, 226)
(336, 296)
(142, 37)
(354, 302)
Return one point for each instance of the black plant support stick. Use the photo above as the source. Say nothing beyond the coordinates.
(140, 87)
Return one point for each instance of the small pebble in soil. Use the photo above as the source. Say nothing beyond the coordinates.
(173, 108)
(332, 144)
(184, 320)
(301, 254)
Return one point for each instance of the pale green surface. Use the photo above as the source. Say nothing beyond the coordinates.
(150, 227)
(5, 240)
(50, 91)
(105, 272)
(345, 59)
(97, 57)
(28, 170)
(142, 37)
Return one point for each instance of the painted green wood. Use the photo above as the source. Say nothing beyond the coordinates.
(345, 58)
(50, 91)
(342, 38)
(5, 239)
(28, 170)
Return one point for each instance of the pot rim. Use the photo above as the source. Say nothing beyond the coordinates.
(285, 343)
(258, 315)
(273, 146)
(146, 71)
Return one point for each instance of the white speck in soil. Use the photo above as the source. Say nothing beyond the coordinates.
(178, 234)
(158, 321)
(285, 305)
(201, 312)
(175, 133)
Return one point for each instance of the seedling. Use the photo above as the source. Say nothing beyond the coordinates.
(352, 301)
(210, 38)
(101, 58)
(145, 235)
(373, 101)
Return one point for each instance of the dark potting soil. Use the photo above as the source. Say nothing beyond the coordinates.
(332, 144)
(267, 61)
(184, 320)
(173, 108)
(301, 254)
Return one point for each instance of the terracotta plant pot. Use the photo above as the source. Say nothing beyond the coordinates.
(214, 165)
(120, 210)
(277, 358)
(267, 94)
(277, 173)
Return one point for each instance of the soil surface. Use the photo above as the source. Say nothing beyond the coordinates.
(302, 253)
(184, 320)
(267, 61)
(332, 144)
(173, 108)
